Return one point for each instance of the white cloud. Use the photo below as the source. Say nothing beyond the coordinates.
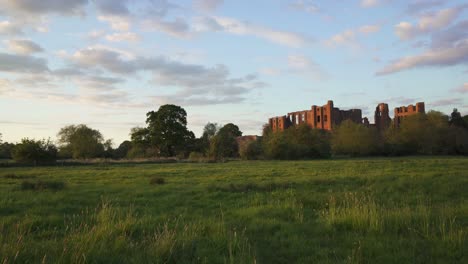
(305, 6)
(176, 28)
(36, 7)
(345, 37)
(23, 46)
(207, 5)
(427, 23)
(303, 65)
(462, 89)
(369, 3)
(447, 56)
(22, 63)
(368, 29)
(9, 28)
(119, 23)
(236, 27)
(123, 36)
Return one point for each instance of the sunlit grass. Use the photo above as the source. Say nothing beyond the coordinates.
(332, 211)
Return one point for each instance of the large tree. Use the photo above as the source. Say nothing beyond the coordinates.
(167, 130)
(81, 142)
(224, 144)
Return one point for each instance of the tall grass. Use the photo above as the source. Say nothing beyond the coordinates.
(361, 212)
(112, 235)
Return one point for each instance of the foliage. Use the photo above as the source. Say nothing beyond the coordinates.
(457, 120)
(297, 142)
(6, 150)
(167, 130)
(426, 134)
(354, 139)
(81, 142)
(250, 150)
(224, 144)
(34, 151)
(123, 149)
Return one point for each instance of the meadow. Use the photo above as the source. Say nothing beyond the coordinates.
(376, 210)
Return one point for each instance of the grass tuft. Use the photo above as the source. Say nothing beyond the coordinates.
(42, 185)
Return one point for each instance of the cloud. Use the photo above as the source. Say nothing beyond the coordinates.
(176, 28)
(446, 102)
(304, 65)
(421, 5)
(112, 7)
(462, 89)
(123, 36)
(23, 46)
(427, 23)
(119, 23)
(195, 84)
(368, 29)
(305, 6)
(349, 36)
(35, 7)
(345, 37)
(236, 27)
(448, 56)
(207, 5)
(22, 64)
(369, 3)
(450, 36)
(9, 28)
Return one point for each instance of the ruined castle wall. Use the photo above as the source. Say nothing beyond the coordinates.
(404, 111)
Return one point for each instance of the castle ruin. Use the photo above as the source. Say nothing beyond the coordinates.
(327, 117)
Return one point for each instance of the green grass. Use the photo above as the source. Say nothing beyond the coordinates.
(395, 210)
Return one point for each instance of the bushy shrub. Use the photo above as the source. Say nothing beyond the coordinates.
(250, 150)
(157, 180)
(35, 151)
(196, 156)
(298, 142)
(350, 138)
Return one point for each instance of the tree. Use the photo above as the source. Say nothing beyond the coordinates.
(297, 142)
(167, 130)
(81, 142)
(354, 139)
(5, 149)
(224, 144)
(123, 149)
(250, 150)
(32, 151)
(457, 120)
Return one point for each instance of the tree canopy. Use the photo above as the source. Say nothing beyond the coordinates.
(80, 142)
(167, 130)
(34, 151)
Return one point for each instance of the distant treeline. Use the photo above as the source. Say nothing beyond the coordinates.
(166, 135)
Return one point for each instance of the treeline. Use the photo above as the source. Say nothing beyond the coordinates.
(166, 135)
(422, 134)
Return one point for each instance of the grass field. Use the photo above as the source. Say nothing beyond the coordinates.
(395, 210)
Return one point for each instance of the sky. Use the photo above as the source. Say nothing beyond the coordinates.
(106, 63)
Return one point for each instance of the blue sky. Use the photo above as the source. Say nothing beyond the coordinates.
(106, 63)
